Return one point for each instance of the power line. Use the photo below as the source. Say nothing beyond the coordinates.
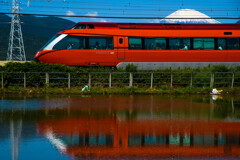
(142, 8)
(116, 17)
(128, 9)
(113, 14)
(124, 3)
(127, 5)
(103, 13)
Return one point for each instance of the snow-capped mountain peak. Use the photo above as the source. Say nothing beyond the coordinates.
(188, 13)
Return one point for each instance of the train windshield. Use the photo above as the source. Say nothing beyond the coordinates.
(53, 41)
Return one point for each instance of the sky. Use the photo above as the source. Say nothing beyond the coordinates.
(125, 8)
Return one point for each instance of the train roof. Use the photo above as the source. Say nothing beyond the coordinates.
(109, 25)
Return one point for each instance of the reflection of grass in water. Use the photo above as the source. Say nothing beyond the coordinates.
(227, 108)
(127, 113)
(222, 111)
(34, 115)
(192, 107)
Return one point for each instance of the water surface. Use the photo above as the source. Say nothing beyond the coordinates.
(119, 127)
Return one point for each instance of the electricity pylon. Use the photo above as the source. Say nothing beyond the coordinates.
(15, 132)
(15, 46)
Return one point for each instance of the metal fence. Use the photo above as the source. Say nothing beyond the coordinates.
(110, 79)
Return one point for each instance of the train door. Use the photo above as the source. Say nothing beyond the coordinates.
(121, 47)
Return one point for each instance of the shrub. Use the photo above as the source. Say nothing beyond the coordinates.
(131, 68)
(219, 68)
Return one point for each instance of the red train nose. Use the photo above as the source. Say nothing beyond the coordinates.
(37, 55)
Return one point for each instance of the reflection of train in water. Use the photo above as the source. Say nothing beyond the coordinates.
(111, 138)
(148, 46)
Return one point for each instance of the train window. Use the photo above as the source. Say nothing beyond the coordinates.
(232, 43)
(101, 42)
(82, 44)
(179, 43)
(203, 43)
(51, 42)
(70, 42)
(135, 43)
(90, 26)
(150, 43)
(120, 40)
(221, 43)
(155, 43)
(81, 26)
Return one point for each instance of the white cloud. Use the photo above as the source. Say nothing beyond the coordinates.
(70, 13)
(103, 20)
(155, 21)
(95, 14)
(149, 21)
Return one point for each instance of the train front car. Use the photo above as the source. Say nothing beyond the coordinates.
(81, 45)
(148, 46)
(46, 53)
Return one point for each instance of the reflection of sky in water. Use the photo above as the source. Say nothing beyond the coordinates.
(36, 148)
(33, 103)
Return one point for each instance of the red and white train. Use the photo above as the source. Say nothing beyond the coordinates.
(148, 46)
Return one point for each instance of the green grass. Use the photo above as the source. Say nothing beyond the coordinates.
(114, 91)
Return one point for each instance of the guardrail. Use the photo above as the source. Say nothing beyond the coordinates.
(110, 79)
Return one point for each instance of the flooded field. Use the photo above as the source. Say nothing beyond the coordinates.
(119, 127)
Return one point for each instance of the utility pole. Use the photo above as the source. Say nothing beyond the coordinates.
(15, 46)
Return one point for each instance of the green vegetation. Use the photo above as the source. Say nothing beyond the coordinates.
(16, 90)
(38, 67)
(36, 74)
(131, 68)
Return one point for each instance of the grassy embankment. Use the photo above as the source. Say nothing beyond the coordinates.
(124, 90)
(114, 91)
